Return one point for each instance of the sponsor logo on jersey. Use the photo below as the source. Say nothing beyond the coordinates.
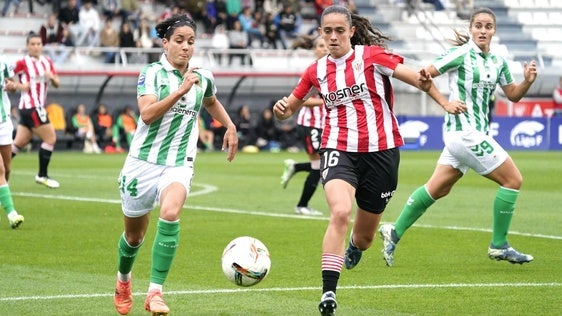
(344, 95)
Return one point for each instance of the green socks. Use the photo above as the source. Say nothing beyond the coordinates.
(126, 255)
(164, 249)
(414, 208)
(504, 205)
(6, 199)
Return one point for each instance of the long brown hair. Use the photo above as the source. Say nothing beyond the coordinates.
(365, 32)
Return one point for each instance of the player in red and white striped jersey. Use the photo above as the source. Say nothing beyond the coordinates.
(36, 72)
(359, 150)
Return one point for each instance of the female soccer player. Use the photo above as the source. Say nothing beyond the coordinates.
(36, 72)
(310, 122)
(7, 83)
(359, 150)
(159, 166)
(474, 71)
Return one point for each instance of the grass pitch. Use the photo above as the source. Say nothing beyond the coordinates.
(62, 260)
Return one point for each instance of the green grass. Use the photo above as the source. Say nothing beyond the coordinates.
(62, 261)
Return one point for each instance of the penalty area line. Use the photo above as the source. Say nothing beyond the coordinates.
(290, 289)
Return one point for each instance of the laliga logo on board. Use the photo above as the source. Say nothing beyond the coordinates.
(526, 134)
(414, 129)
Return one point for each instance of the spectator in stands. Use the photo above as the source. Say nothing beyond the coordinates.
(143, 39)
(7, 84)
(233, 9)
(288, 134)
(557, 98)
(112, 8)
(36, 73)
(270, 29)
(90, 25)
(220, 43)
(127, 40)
(133, 12)
(288, 24)
(109, 39)
(156, 43)
(245, 127)
(69, 17)
(84, 129)
(56, 39)
(474, 71)
(103, 124)
(238, 40)
(51, 31)
(267, 132)
(7, 4)
(250, 26)
(159, 168)
(209, 17)
(125, 126)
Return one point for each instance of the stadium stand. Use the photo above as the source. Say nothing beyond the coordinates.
(527, 29)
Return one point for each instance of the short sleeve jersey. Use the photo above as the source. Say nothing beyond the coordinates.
(32, 70)
(473, 77)
(6, 72)
(358, 99)
(172, 139)
(311, 116)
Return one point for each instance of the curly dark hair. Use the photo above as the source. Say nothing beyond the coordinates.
(165, 29)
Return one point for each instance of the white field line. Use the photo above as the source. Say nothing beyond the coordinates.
(206, 189)
(290, 289)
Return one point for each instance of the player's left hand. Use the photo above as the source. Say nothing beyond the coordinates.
(230, 142)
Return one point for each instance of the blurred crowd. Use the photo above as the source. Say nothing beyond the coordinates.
(115, 24)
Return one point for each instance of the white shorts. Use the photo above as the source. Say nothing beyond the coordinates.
(141, 183)
(472, 149)
(6, 132)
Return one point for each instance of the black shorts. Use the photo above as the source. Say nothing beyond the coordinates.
(32, 118)
(311, 138)
(373, 175)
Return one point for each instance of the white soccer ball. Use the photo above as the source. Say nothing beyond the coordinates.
(245, 261)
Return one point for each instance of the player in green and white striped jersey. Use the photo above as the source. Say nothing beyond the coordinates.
(474, 72)
(7, 83)
(159, 166)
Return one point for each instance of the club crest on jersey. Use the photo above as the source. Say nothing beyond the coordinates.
(142, 77)
(358, 65)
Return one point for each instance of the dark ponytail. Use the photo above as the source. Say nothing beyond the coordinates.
(165, 29)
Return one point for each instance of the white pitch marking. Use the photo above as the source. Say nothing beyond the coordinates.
(289, 289)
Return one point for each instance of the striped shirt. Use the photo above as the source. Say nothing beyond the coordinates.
(311, 116)
(358, 99)
(32, 70)
(6, 72)
(473, 77)
(172, 139)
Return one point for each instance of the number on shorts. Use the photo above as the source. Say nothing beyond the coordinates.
(482, 148)
(130, 187)
(331, 159)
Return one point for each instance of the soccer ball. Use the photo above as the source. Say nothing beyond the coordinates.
(245, 261)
